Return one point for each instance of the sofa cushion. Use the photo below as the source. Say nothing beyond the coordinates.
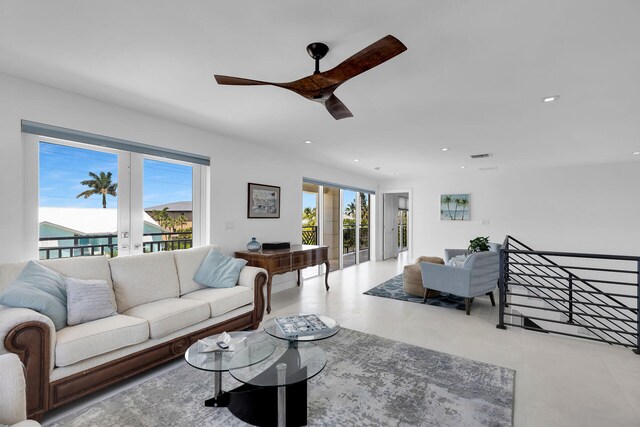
(85, 267)
(219, 271)
(41, 289)
(80, 342)
(140, 279)
(89, 300)
(223, 300)
(187, 263)
(170, 315)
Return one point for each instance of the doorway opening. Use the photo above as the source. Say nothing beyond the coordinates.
(396, 218)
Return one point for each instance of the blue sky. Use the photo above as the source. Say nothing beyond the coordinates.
(62, 168)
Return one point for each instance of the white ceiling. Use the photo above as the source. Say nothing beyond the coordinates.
(472, 78)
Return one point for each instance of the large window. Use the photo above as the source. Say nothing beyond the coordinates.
(95, 200)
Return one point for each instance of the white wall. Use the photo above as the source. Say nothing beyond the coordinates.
(233, 163)
(593, 208)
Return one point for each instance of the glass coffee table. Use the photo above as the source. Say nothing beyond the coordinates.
(218, 361)
(277, 385)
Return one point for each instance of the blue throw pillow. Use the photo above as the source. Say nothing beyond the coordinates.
(41, 289)
(219, 271)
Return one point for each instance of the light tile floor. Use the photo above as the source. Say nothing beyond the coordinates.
(559, 381)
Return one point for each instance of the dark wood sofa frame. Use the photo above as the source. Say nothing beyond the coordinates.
(30, 341)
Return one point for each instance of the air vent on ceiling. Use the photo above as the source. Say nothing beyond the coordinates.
(480, 156)
(489, 169)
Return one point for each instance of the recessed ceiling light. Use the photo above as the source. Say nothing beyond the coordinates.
(550, 98)
(444, 149)
(635, 153)
(308, 142)
(462, 167)
(356, 160)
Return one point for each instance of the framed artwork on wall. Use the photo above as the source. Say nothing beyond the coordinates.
(263, 201)
(454, 207)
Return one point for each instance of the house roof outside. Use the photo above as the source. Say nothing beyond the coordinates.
(86, 220)
(185, 206)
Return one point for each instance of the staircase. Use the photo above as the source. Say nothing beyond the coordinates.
(588, 296)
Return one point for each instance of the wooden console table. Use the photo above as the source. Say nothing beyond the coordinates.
(280, 261)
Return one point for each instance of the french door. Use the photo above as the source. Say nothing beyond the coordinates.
(84, 200)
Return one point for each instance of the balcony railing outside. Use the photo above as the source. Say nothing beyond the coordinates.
(107, 244)
(349, 239)
(310, 235)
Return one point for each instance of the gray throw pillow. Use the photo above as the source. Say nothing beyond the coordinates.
(89, 300)
(41, 289)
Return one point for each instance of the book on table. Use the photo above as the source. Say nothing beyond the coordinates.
(304, 324)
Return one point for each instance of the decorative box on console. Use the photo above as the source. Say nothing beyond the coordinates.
(276, 245)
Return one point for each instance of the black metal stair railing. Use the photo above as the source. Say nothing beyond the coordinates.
(551, 289)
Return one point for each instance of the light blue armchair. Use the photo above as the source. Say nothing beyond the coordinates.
(477, 276)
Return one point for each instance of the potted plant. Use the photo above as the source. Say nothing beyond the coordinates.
(479, 244)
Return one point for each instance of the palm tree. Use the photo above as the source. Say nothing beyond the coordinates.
(447, 199)
(350, 210)
(309, 217)
(100, 184)
(458, 202)
(463, 204)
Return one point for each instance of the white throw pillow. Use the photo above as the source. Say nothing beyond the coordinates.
(88, 300)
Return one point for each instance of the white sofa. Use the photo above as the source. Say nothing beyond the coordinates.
(161, 311)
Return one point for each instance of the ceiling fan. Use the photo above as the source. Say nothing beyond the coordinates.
(320, 86)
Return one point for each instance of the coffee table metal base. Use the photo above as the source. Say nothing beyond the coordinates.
(258, 406)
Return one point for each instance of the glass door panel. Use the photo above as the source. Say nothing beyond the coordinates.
(349, 212)
(78, 201)
(364, 249)
(168, 206)
(310, 229)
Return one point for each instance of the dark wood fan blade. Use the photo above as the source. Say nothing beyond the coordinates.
(369, 57)
(336, 108)
(239, 81)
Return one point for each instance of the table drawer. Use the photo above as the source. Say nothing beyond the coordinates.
(307, 258)
(280, 263)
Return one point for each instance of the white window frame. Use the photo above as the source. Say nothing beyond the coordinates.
(130, 188)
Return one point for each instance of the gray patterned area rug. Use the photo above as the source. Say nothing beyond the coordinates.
(368, 381)
(392, 288)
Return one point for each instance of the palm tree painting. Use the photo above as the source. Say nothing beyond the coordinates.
(99, 184)
(454, 207)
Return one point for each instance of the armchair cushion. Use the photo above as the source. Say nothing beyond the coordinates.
(450, 253)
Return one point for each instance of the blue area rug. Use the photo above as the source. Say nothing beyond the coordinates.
(392, 288)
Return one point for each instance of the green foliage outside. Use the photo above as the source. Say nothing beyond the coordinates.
(310, 219)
